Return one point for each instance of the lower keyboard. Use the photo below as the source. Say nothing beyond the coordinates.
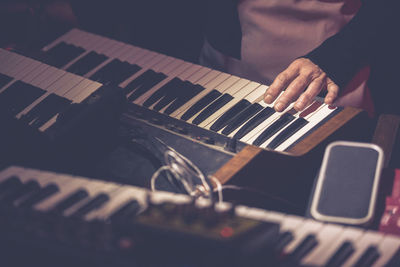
(59, 220)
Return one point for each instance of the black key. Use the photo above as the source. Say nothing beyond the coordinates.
(87, 63)
(368, 257)
(240, 118)
(37, 197)
(254, 122)
(288, 132)
(45, 110)
(273, 128)
(62, 53)
(126, 212)
(341, 255)
(143, 83)
(24, 191)
(306, 245)
(93, 204)
(18, 96)
(199, 105)
(189, 91)
(228, 116)
(283, 240)
(178, 89)
(9, 184)
(4, 79)
(395, 260)
(211, 109)
(126, 70)
(167, 89)
(70, 201)
(115, 72)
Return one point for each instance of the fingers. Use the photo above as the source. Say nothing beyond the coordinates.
(303, 81)
(279, 84)
(312, 91)
(292, 92)
(333, 91)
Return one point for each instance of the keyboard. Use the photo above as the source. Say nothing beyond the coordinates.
(57, 209)
(36, 93)
(217, 102)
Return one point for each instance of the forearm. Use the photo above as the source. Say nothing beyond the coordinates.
(342, 55)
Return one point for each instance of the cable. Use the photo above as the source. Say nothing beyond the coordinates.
(185, 172)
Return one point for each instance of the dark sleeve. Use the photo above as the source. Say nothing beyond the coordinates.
(342, 55)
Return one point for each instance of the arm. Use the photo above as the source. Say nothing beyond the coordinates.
(334, 63)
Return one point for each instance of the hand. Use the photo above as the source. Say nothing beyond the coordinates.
(303, 81)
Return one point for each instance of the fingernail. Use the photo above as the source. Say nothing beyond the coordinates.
(299, 106)
(279, 106)
(268, 99)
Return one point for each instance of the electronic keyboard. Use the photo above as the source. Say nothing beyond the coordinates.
(98, 219)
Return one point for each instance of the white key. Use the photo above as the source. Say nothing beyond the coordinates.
(10, 62)
(252, 97)
(23, 69)
(41, 68)
(46, 78)
(136, 54)
(118, 50)
(200, 77)
(11, 171)
(183, 76)
(125, 52)
(30, 69)
(313, 121)
(85, 40)
(66, 190)
(3, 55)
(368, 239)
(210, 82)
(93, 190)
(230, 86)
(349, 234)
(85, 92)
(325, 237)
(80, 95)
(296, 115)
(89, 44)
(172, 70)
(387, 248)
(195, 77)
(28, 76)
(109, 48)
(309, 227)
(237, 96)
(65, 83)
(252, 135)
(60, 39)
(158, 61)
(51, 76)
(118, 199)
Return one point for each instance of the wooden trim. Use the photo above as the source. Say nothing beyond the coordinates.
(324, 131)
(238, 162)
(249, 153)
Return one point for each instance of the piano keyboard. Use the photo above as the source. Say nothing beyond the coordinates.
(210, 99)
(37, 93)
(301, 241)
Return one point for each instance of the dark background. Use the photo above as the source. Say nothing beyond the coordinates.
(173, 27)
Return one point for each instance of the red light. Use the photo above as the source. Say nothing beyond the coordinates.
(226, 232)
